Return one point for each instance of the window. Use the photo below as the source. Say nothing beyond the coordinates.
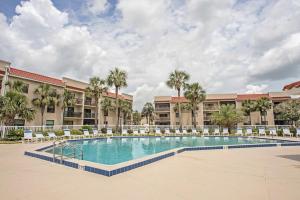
(25, 88)
(49, 123)
(68, 122)
(177, 115)
(51, 108)
(163, 115)
(177, 123)
(105, 122)
(106, 113)
(19, 122)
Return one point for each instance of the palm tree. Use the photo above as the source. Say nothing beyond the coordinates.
(177, 80)
(106, 106)
(148, 111)
(248, 106)
(228, 116)
(96, 89)
(68, 100)
(45, 96)
(136, 118)
(125, 109)
(289, 110)
(14, 104)
(263, 105)
(117, 78)
(195, 94)
(16, 86)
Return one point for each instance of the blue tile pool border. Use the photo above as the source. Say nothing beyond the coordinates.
(138, 164)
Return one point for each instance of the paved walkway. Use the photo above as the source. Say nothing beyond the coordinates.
(257, 173)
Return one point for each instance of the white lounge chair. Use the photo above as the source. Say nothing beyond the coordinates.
(184, 131)
(206, 131)
(96, 132)
(28, 136)
(142, 131)
(39, 137)
(109, 132)
(135, 132)
(86, 133)
(157, 131)
(216, 131)
(273, 131)
(52, 135)
(124, 131)
(167, 131)
(249, 131)
(287, 132)
(225, 131)
(239, 132)
(67, 133)
(262, 132)
(194, 131)
(177, 131)
(298, 132)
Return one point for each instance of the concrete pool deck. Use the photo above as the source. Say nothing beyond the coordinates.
(255, 173)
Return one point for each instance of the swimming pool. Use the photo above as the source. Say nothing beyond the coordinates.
(111, 151)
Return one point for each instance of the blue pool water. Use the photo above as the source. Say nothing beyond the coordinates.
(117, 150)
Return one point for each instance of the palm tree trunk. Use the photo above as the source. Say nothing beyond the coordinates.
(96, 112)
(194, 117)
(42, 114)
(179, 108)
(117, 109)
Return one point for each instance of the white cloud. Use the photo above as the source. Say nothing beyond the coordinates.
(226, 46)
(256, 89)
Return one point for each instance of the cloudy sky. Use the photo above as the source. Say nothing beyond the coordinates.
(243, 46)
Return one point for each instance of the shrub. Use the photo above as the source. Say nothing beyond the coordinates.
(163, 131)
(59, 133)
(129, 131)
(189, 130)
(76, 132)
(172, 130)
(87, 127)
(14, 134)
(103, 130)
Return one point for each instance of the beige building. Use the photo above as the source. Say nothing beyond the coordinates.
(166, 115)
(83, 112)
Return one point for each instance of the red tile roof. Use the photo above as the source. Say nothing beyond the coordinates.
(243, 97)
(292, 85)
(35, 77)
(179, 99)
(113, 95)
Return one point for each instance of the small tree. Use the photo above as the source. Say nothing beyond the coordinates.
(125, 109)
(45, 96)
(289, 110)
(195, 94)
(148, 111)
(263, 105)
(68, 100)
(136, 118)
(227, 117)
(248, 106)
(106, 106)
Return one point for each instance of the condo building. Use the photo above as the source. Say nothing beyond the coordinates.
(83, 112)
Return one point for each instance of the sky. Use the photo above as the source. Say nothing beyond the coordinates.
(239, 46)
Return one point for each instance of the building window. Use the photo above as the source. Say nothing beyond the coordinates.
(49, 123)
(105, 122)
(19, 122)
(163, 115)
(177, 115)
(106, 113)
(51, 108)
(177, 123)
(25, 88)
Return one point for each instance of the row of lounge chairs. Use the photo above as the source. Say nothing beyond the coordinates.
(28, 135)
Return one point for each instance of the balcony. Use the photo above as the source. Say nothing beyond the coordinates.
(207, 118)
(89, 103)
(162, 119)
(72, 114)
(210, 107)
(162, 108)
(89, 115)
(79, 101)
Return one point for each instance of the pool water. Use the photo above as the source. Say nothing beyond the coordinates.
(112, 151)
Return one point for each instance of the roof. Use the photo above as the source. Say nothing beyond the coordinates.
(292, 85)
(179, 99)
(35, 77)
(243, 97)
(113, 95)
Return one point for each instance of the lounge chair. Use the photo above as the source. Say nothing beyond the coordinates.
(142, 131)
(124, 131)
(67, 133)
(177, 131)
(225, 131)
(167, 131)
(298, 132)
(109, 132)
(157, 131)
(96, 132)
(273, 131)
(249, 131)
(135, 132)
(39, 137)
(216, 131)
(28, 135)
(206, 131)
(194, 131)
(86, 133)
(262, 132)
(184, 132)
(52, 135)
(287, 132)
(239, 132)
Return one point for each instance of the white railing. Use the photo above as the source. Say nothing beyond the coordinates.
(4, 130)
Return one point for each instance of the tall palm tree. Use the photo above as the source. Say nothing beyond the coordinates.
(248, 106)
(45, 96)
(14, 104)
(195, 94)
(177, 80)
(106, 106)
(228, 116)
(117, 78)
(68, 100)
(97, 87)
(289, 110)
(263, 105)
(125, 109)
(148, 111)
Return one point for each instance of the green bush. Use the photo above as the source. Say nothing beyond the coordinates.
(87, 127)
(129, 131)
(103, 130)
(189, 130)
(162, 131)
(59, 133)
(14, 135)
(76, 132)
(172, 130)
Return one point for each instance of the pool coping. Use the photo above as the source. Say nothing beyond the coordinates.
(111, 170)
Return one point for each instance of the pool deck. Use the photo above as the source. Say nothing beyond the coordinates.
(254, 173)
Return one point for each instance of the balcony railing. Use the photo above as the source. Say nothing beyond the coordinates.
(79, 101)
(211, 107)
(89, 115)
(162, 108)
(162, 119)
(89, 103)
(207, 118)
(72, 114)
